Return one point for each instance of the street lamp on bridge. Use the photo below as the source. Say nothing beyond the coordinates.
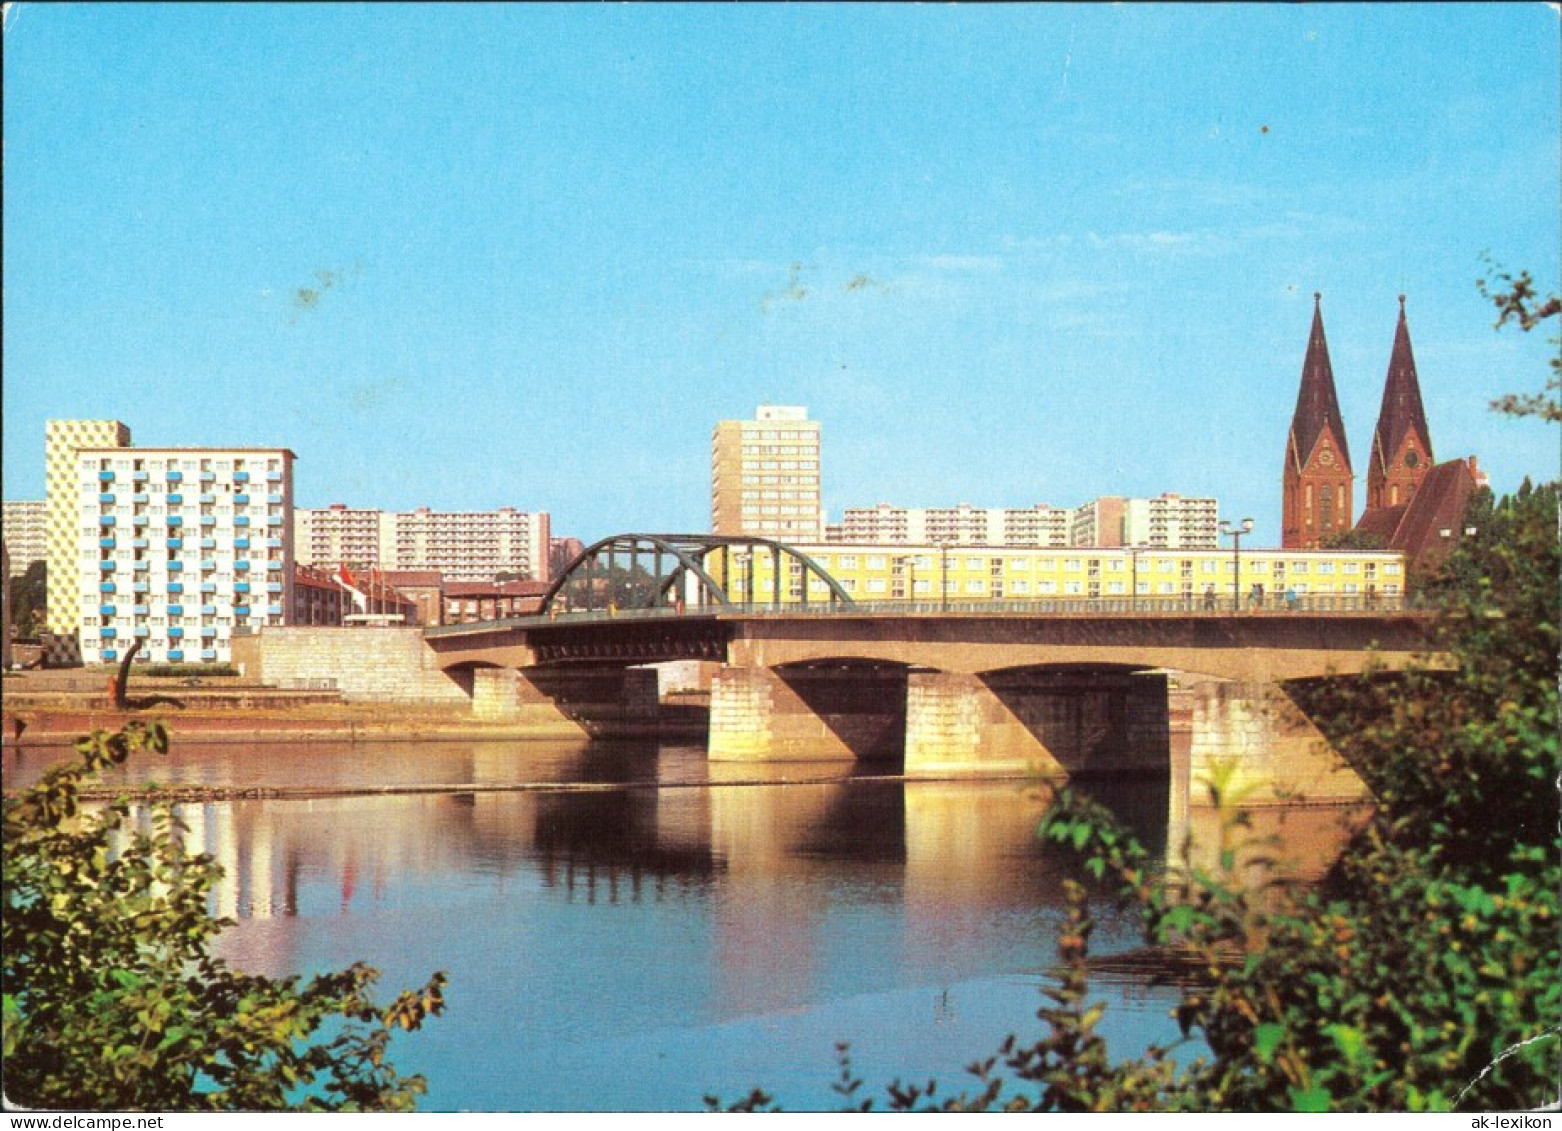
(1235, 534)
(943, 576)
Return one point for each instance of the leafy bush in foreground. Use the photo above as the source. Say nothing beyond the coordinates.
(112, 1000)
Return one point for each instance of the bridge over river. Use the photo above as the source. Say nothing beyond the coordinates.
(1051, 687)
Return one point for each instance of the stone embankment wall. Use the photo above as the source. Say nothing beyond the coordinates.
(370, 664)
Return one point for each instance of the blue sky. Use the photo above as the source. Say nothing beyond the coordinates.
(471, 256)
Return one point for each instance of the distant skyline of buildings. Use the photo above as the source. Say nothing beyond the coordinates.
(1168, 521)
(459, 545)
(183, 546)
(24, 534)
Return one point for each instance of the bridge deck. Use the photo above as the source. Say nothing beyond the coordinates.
(1064, 608)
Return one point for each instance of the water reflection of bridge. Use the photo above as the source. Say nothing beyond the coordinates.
(968, 844)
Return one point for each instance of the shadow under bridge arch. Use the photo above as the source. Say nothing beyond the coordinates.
(1092, 718)
(688, 573)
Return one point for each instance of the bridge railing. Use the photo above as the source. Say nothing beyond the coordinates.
(1125, 606)
(1180, 606)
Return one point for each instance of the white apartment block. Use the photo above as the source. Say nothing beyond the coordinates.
(474, 545)
(459, 545)
(358, 537)
(24, 537)
(1173, 522)
(765, 476)
(180, 548)
(1169, 521)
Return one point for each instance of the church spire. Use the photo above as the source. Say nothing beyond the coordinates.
(1402, 444)
(1317, 406)
(1317, 481)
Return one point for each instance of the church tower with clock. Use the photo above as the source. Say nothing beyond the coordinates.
(1317, 483)
(1402, 445)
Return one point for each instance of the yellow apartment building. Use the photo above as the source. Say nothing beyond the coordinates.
(946, 575)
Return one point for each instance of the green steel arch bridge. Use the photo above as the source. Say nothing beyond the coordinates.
(680, 573)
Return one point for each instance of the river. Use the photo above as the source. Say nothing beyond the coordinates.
(628, 927)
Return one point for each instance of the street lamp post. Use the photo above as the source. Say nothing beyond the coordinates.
(1235, 534)
(943, 577)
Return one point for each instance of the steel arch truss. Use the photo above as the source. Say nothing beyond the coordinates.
(688, 573)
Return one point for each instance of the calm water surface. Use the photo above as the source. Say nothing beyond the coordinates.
(678, 930)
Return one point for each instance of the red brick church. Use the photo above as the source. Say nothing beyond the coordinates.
(1413, 504)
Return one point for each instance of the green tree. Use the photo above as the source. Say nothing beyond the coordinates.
(1518, 301)
(1353, 540)
(29, 596)
(113, 1000)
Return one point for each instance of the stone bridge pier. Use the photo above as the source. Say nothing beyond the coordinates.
(1060, 723)
(573, 700)
(807, 713)
(1256, 741)
(1050, 723)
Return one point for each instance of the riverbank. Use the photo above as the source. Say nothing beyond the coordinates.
(43, 709)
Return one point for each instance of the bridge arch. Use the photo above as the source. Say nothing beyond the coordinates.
(685, 572)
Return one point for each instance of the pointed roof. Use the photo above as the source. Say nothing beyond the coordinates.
(1416, 529)
(1401, 414)
(1317, 407)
